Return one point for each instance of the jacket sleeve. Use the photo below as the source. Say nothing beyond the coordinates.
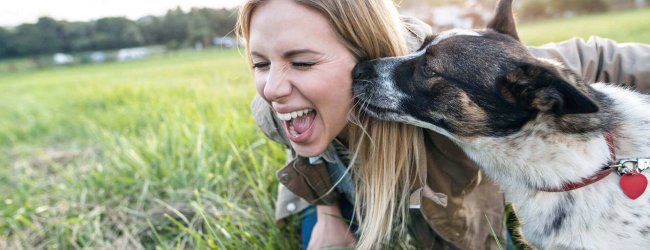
(603, 60)
(415, 32)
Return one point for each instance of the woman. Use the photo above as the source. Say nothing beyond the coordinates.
(303, 64)
(302, 53)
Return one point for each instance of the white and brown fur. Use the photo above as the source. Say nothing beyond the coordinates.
(530, 125)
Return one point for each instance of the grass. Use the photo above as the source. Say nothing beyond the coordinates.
(160, 153)
(622, 26)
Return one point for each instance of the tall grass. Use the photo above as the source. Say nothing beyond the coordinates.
(157, 153)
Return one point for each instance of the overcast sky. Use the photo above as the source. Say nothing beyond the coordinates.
(16, 12)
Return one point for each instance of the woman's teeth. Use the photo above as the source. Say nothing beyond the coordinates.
(294, 114)
(292, 131)
(289, 118)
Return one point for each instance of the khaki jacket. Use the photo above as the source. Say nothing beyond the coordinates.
(457, 204)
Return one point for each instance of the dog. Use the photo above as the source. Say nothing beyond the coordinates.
(568, 155)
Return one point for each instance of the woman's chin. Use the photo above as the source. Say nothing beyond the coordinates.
(309, 150)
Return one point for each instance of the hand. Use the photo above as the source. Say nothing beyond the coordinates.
(331, 229)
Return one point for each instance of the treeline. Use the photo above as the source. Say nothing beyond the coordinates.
(175, 29)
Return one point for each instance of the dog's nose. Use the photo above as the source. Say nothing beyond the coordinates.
(361, 70)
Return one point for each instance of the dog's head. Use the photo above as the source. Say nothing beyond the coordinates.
(469, 83)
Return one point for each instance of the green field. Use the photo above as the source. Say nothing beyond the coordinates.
(162, 153)
(622, 26)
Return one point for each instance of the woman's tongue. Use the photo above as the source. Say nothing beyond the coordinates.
(301, 124)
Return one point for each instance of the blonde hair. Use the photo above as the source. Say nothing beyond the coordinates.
(386, 151)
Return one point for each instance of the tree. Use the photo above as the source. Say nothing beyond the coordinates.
(175, 29)
(222, 21)
(27, 40)
(176, 26)
(51, 35)
(80, 36)
(199, 27)
(116, 32)
(5, 46)
(151, 28)
(46, 36)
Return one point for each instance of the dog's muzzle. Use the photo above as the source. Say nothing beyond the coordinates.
(364, 71)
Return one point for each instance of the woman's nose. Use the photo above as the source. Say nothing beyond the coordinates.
(277, 84)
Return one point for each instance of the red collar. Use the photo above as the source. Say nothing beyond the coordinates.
(601, 174)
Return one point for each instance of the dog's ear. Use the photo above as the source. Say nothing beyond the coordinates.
(504, 20)
(545, 89)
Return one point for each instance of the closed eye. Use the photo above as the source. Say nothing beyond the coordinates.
(261, 65)
(302, 65)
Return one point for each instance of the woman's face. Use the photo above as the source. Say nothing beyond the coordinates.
(304, 71)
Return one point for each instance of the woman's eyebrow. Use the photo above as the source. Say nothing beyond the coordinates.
(289, 54)
(256, 54)
(293, 53)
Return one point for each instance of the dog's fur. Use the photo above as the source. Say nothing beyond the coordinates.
(529, 123)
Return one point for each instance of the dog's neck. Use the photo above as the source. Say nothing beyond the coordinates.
(538, 158)
(545, 155)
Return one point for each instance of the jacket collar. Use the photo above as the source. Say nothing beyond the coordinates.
(331, 153)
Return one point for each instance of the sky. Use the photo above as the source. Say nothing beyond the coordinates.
(16, 12)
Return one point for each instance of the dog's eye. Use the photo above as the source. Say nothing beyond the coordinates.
(427, 71)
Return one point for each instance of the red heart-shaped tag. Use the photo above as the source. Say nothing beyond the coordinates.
(633, 185)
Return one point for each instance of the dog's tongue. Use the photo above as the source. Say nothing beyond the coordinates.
(301, 124)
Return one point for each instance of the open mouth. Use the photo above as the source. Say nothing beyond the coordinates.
(298, 124)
